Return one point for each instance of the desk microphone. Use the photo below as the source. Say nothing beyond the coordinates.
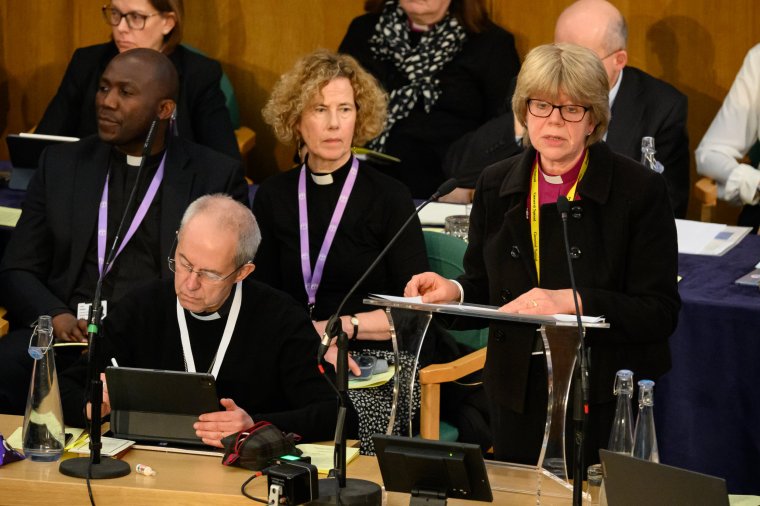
(93, 466)
(581, 393)
(333, 324)
(340, 490)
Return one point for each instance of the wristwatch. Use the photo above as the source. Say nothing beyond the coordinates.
(355, 323)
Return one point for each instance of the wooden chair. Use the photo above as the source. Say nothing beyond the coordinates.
(4, 326)
(445, 254)
(706, 193)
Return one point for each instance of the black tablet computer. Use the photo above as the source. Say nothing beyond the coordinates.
(156, 406)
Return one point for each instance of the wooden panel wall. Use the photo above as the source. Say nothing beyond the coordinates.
(696, 45)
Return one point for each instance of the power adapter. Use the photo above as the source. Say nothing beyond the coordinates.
(292, 482)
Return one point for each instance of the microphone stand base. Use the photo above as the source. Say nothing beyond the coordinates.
(108, 468)
(356, 492)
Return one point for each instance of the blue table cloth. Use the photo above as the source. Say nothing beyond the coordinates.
(707, 407)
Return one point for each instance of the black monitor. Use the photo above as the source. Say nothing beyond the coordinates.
(432, 471)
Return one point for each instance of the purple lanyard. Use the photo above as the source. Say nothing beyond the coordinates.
(311, 280)
(138, 218)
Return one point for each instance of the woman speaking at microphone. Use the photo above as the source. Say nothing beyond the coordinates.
(325, 221)
(622, 242)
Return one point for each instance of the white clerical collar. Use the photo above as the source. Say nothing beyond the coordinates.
(229, 328)
(134, 161)
(206, 317)
(551, 179)
(321, 179)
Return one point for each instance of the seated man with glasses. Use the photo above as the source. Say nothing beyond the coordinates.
(256, 340)
(641, 106)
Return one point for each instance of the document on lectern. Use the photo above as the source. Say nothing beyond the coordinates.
(488, 311)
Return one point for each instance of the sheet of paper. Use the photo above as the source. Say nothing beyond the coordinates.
(73, 436)
(375, 381)
(9, 216)
(111, 446)
(435, 213)
(693, 236)
(484, 310)
(322, 455)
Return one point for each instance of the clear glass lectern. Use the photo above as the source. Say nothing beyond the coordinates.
(548, 479)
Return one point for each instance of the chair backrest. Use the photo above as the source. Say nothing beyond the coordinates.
(229, 92)
(445, 256)
(445, 253)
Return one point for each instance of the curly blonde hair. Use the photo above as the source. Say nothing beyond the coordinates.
(296, 88)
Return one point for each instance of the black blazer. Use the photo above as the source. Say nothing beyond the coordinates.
(48, 247)
(644, 106)
(626, 269)
(202, 115)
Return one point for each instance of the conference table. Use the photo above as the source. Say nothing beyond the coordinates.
(202, 480)
(707, 407)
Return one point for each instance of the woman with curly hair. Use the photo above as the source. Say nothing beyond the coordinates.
(324, 222)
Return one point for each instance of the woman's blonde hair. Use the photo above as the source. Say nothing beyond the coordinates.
(296, 88)
(554, 69)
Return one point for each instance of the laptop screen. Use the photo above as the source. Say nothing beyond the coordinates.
(629, 481)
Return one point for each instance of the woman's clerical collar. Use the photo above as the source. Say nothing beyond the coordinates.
(551, 179)
(322, 179)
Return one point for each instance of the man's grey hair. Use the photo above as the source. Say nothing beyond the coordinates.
(231, 215)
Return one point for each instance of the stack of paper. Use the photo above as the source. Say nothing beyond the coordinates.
(714, 239)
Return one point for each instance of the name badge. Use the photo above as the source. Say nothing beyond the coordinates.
(83, 310)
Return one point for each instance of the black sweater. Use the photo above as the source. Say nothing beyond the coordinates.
(269, 368)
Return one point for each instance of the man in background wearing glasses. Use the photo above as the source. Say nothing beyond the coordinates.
(77, 199)
(256, 341)
(641, 106)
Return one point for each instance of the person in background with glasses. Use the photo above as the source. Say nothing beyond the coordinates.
(201, 114)
(255, 340)
(622, 242)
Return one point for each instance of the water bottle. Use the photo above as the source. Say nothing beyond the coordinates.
(43, 434)
(644, 437)
(647, 155)
(621, 435)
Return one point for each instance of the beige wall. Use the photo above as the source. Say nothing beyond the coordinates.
(696, 45)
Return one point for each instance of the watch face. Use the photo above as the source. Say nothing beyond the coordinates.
(355, 321)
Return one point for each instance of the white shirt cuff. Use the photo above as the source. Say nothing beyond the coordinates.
(743, 184)
(461, 290)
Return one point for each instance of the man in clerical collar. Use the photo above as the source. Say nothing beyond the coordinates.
(79, 196)
(256, 341)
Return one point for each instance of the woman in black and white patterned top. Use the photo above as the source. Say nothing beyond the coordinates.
(447, 69)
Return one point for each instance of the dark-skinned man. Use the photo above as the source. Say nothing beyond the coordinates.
(77, 198)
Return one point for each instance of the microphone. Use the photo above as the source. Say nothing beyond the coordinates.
(147, 146)
(333, 324)
(581, 398)
(93, 466)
